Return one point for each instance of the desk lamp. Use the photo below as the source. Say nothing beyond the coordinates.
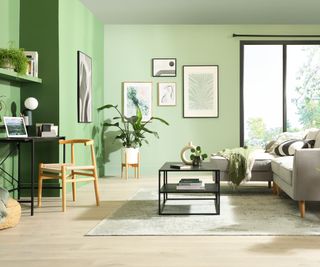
(30, 104)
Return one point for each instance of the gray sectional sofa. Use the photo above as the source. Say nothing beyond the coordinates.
(298, 175)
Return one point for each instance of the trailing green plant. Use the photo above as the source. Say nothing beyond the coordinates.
(132, 129)
(15, 57)
(196, 153)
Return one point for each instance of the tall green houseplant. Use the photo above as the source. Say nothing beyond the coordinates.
(132, 129)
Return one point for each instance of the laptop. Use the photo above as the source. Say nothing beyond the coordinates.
(15, 127)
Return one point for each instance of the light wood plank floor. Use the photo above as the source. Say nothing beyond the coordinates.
(52, 238)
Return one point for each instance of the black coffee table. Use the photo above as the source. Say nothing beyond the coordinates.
(166, 188)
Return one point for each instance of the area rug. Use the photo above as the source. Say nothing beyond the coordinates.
(242, 213)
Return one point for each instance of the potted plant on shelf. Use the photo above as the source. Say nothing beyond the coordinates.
(132, 131)
(13, 59)
(196, 156)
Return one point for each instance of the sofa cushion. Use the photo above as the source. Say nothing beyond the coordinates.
(262, 162)
(287, 148)
(282, 167)
(285, 136)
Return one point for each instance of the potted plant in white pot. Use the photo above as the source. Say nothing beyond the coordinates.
(13, 59)
(132, 131)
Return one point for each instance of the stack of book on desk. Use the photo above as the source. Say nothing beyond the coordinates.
(190, 183)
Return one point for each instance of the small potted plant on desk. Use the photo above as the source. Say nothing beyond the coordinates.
(132, 132)
(197, 157)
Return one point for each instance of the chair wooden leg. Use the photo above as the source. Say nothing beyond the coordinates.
(302, 208)
(64, 190)
(135, 172)
(74, 187)
(40, 186)
(96, 187)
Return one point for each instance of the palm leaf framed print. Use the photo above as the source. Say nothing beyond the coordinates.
(200, 91)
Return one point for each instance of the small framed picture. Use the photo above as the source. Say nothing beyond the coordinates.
(15, 127)
(137, 93)
(167, 94)
(164, 67)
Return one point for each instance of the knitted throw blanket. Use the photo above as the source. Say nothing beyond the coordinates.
(240, 163)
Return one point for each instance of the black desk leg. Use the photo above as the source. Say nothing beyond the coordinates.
(19, 170)
(159, 194)
(32, 177)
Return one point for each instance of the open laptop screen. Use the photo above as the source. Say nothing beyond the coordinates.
(15, 126)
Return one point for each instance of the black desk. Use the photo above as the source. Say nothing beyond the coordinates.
(32, 141)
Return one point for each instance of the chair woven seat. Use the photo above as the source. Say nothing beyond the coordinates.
(56, 167)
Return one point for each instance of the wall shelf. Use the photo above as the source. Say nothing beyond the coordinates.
(14, 76)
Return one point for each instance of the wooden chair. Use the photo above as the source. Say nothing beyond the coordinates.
(126, 165)
(68, 172)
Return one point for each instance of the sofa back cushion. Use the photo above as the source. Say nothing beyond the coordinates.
(287, 148)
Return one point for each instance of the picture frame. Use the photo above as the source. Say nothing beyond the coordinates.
(167, 94)
(84, 88)
(200, 91)
(164, 67)
(15, 127)
(139, 93)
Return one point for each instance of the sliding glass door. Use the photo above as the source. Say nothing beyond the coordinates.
(280, 89)
(303, 87)
(262, 94)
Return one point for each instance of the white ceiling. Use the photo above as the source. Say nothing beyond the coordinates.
(206, 11)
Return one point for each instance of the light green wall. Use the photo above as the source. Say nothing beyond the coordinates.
(128, 53)
(9, 31)
(79, 30)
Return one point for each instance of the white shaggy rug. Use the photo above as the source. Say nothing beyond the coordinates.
(241, 213)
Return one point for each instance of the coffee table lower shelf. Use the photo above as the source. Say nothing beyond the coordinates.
(209, 188)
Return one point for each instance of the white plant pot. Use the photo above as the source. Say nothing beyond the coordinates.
(132, 155)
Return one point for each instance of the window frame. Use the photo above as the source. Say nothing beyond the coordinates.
(284, 44)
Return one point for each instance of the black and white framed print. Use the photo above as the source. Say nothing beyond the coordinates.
(200, 91)
(167, 94)
(164, 67)
(84, 88)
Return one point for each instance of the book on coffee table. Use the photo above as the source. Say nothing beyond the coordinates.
(190, 183)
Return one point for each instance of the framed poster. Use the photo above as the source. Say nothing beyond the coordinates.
(84, 88)
(137, 93)
(167, 94)
(200, 91)
(164, 67)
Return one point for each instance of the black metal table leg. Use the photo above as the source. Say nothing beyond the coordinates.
(159, 194)
(32, 178)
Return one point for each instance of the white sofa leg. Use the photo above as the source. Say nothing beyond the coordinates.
(302, 208)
